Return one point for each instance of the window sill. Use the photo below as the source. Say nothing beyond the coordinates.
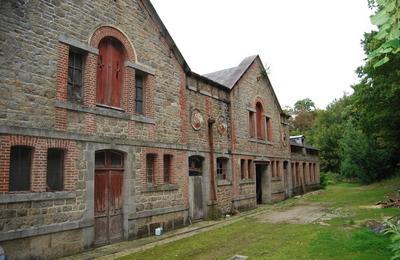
(259, 141)
(39, 196)
(221, 183)
(162, 187)
(104, 111)
(247, 181)
(276, 179)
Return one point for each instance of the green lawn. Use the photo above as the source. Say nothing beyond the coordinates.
(343, 237)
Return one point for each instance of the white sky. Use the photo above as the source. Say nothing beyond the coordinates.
(312, 46)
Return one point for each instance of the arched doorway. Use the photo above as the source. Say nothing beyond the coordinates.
(196, 209)
(110, 72)
(109, 170)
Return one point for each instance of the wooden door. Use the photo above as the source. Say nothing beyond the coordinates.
(196, 209)
(108, 197)
(110, 72)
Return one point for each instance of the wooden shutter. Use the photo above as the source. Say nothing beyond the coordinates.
(55, 169)
(110, 72)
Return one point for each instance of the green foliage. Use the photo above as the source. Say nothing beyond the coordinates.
(387, 18)
(393, 229)
(304, 105)
(327, 130)
(323, 180)
(360, 156)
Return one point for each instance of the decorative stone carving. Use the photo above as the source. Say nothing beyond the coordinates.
(222, 125)
(197, 119)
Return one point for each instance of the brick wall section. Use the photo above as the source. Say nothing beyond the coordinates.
(39, 161)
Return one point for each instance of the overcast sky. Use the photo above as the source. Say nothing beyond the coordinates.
(312, 46)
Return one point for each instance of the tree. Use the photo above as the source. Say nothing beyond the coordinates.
(327, 131)
(376, 99)
(304, 105)
(360, 156)
(387, 18)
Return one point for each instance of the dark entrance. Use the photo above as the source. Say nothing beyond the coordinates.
(108, 196)
(262, 190)
(196, 187)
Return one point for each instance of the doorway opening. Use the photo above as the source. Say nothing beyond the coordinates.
(109, 171)
(262, 191)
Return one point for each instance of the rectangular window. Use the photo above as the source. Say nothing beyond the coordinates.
(55, 169)
(150, 167)
(250, 169)
(273, 169)
(222, 165)
(75, 78)
(243, 169)
(20, 168)
(252, 130)
(167, 168)
(278, 169)
(268, 129)
(139, 94)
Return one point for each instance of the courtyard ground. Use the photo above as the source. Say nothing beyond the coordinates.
(327, 224)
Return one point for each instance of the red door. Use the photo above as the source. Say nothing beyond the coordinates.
(110, 72)
(108, 197)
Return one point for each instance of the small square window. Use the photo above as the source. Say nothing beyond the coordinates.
(222, 165)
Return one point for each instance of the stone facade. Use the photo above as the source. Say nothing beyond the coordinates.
(191, 154)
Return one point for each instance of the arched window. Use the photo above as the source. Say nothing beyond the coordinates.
(110, 72)
(259, 121)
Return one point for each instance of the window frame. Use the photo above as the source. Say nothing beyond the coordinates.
(71, 85)
(151, 166)
(62, 170)
(222, 168)
(13, 164)
(167, 171)
(139, 77)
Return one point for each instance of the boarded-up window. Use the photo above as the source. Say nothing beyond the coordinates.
(55, 169)
(243, 169)
(167, 168)
(110, 72)
(268, 128)
(195, 166)
(139, 94)
(222, 168)
(150, 167)
(250, 169)
(20, 168)
(259, 121)
(252, 131)
(75, 78)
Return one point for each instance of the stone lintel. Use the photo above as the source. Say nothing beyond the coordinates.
(141, 67)
(77, 44)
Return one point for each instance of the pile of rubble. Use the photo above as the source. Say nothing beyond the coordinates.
(390, 202)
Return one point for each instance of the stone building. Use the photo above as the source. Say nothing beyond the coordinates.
(106, 133)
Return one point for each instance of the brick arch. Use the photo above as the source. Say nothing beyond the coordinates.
(258, 99)
(110, 31)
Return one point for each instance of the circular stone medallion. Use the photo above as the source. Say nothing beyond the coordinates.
(197, 120)
(221, 125)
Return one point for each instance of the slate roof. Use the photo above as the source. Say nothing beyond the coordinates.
(229, 77)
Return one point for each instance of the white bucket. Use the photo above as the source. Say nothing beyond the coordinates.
(159, 231)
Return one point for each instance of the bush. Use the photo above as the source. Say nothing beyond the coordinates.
(323, 180)
(394, 230)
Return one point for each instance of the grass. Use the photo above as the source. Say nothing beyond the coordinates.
(344, 237)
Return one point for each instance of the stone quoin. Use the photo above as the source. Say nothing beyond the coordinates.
(107, 134)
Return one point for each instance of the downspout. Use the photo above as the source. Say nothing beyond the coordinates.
(211, 122)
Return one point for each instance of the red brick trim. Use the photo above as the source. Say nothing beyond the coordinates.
(109, 31)
(39, 161)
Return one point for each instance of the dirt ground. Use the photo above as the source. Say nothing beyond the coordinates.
(300, 214)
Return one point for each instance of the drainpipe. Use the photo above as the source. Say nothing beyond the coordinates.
(211, 122)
